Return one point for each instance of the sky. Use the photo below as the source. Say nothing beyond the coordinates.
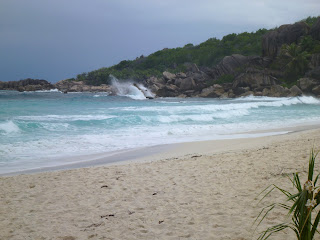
(58, 39)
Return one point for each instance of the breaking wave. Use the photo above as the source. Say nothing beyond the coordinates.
(246, 103)
(37, 130)
(130, 89)
(8, 127)
(48, 118)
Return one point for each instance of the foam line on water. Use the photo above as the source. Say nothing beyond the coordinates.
(48, 118)
(48, 91)
(231, 105)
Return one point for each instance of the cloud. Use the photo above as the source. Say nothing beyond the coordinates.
(73, 36)
(228, 12)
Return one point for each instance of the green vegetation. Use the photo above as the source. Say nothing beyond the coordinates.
(294, 58)
(301, 206)
(227, 78)
(207, 54)
(295, 62)
(310, 20)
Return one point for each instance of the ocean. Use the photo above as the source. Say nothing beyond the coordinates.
(44, 129)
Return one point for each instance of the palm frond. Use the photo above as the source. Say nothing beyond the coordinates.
(304, 201)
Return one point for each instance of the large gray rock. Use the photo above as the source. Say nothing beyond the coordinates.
(187, 84)
(316, 90)
(276, 91)
(213, 92)
(254, 79)
(314, 73)
(191, 67)
(295, 91)
(80, 86)
(236, 64)
(181, 75)
(307, 84)
(154, 87)
(167, 91)
(178, 81)
(229, 64)
(238, 91)
(315, 30)
(155, 80)
(101, 88)
(168, 76)
(285, 34)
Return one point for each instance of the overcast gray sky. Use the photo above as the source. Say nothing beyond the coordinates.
(57, 39)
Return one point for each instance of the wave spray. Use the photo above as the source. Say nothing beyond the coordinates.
(130, 89)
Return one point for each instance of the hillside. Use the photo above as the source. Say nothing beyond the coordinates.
(279, 62)
(206, 54)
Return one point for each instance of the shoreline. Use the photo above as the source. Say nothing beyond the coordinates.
(158, 152)
(195, 190)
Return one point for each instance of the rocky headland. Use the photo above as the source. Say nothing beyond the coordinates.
(27, 85)
(233, 76)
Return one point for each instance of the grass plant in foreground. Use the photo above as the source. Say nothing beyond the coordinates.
(300, 205)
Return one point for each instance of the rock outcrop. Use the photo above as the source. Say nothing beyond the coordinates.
(276, 91)
(309, 85)
(79, 86)
(27, 85)
(314, 73)
(254, 79)
(233, 76)
(215, 91)
(249, 74)
(251, 77)
(295, 91)
(285, 34)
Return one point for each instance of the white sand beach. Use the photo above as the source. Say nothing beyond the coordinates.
(199, 190)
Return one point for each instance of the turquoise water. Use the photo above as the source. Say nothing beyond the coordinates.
(37, 128)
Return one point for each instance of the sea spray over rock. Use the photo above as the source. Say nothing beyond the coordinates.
(130, 89)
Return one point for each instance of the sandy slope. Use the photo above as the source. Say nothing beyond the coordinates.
(203, 190)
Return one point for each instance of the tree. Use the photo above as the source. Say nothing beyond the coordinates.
(296, 60)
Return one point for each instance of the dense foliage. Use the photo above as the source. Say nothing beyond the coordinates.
(206, 54)
(294, 58)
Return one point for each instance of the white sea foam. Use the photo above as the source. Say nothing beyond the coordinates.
(102, 94)
(51, 133)
(8, 127)
(48, 91)
(309, 100)
(56, 127)
(146, 92)
(130, 89)
(286, 100)
(256, 102)
(44, 151)
(48, 118)
(195, 117)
